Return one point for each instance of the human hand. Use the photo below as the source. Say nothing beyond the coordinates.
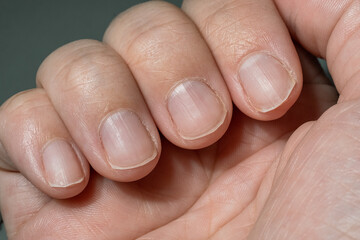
(249, 183)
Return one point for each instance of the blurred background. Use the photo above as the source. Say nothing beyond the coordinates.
(31, 30)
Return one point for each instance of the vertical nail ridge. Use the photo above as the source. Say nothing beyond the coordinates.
(61, 164)
(266, 81)
(127, 141)
(195, 109)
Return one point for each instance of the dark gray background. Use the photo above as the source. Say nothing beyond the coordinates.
(31, 29)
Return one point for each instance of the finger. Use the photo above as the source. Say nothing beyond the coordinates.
(19, 201)
(175, 71)
(97, 98)
(254, 51)
(39, 146)
(332, 33)
(330, 146)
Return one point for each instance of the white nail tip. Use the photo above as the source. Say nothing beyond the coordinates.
(63, 185)
(153, 156)
(266, 110)
(212, 130)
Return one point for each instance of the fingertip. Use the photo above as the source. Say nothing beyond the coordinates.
(66, 171)
(258, 62)
(199, 114)
(180, 81)
(38, 145)
(267, 85)
(133, 174)
(266, 82)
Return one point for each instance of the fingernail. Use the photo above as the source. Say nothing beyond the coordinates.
(127, 142)
(62, 166)
(195, 109)
(265, 81)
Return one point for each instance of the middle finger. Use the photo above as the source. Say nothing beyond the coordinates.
(175, 71)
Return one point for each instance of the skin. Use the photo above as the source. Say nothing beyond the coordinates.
(295, 177)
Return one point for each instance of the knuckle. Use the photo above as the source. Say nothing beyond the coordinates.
(82, 67)
(20, 114)
(83, 71)
(60, 57)
(226, 15)
(149, 47)
(161, 28)
(233, 28)
(24, 103)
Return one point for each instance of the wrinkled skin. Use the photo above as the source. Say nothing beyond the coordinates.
(293, 178)
(259, 179)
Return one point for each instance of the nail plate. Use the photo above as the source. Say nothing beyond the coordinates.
(126, 140)
(265, 81)
(61, 164)
(195, 109)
